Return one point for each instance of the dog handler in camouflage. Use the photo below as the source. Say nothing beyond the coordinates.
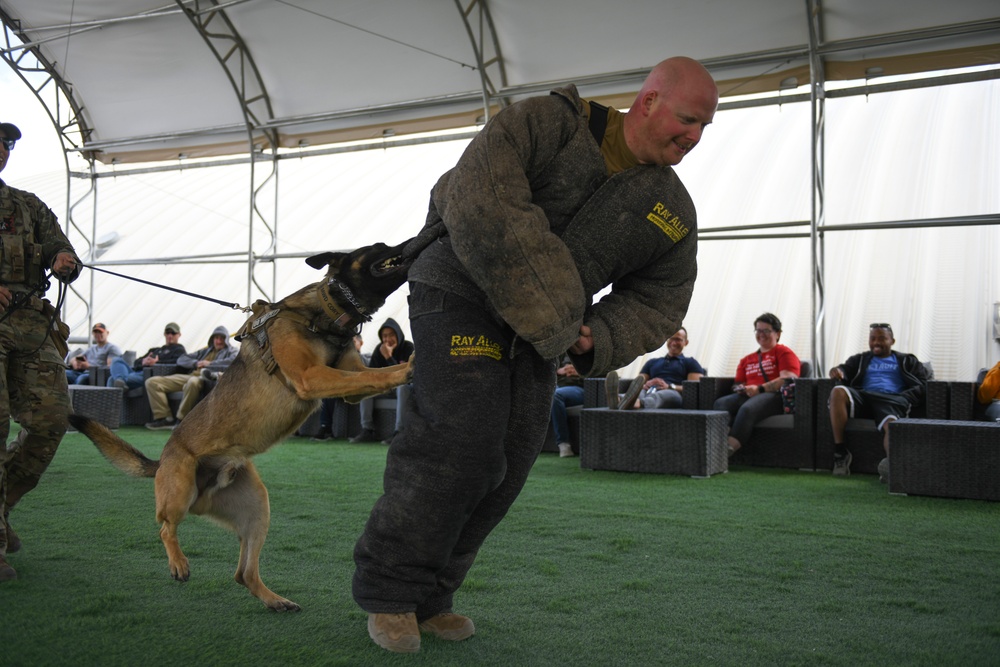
(32, 344)
(555, 199)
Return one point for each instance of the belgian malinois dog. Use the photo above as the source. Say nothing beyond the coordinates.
(294, 353)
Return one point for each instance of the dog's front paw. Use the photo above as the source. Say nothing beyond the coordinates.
(281, 604)
(180, 570)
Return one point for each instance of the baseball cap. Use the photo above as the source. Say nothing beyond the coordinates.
(172, 327)
(99, 326)
(11, 131)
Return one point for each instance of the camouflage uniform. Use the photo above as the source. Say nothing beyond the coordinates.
(32, 371)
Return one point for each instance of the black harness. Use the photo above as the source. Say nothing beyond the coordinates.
(346, 321)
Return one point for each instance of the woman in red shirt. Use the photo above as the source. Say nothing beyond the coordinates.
(759, 376)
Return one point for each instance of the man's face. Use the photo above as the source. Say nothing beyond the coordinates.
(880, 342)
(388, 337)
(171, 337)
(673, 125)
(100, 336)
(218, 341)
(677, 343)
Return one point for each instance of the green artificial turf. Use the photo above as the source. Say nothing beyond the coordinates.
(756, 566)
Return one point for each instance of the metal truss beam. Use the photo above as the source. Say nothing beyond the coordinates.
(69, 120)
(817, 94)
(486, 48)
(225, 42)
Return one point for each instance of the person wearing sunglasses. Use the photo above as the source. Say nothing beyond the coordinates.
(879, 384)
(759, 376)
(32, 343)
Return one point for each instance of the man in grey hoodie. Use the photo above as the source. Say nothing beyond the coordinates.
(554, 200)
(218, 351)
(393, 349)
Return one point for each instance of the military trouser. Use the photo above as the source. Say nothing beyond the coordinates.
(34, 394)
(474, 425)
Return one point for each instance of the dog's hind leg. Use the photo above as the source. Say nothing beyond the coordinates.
(176, 491)
(243, 506)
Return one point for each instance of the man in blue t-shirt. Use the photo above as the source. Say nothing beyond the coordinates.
(663, 377)
(879, 384)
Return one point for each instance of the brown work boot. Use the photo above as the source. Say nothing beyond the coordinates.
(450, 626)
(395, 632)
(7, 573)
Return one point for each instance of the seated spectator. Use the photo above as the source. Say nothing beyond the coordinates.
(328, 405)
(879, 384)
(394, 349)
(98, 355)
(126, 378)
(569, 392)
(759, 376)
(663, 377)
(988, 393)
(218, 351)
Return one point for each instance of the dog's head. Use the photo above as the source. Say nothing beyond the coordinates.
(369, 274)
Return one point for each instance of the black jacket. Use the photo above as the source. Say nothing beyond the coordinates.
(404, 348)
(914, 374)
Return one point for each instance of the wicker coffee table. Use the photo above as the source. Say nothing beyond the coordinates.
(673, 442)
(102, 404)
(950, 459)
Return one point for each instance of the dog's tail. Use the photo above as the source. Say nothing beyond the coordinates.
(122, 455)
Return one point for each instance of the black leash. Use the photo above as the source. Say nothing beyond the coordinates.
(234, 306)
(21, 299)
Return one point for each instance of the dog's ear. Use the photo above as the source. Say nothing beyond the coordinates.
(321, 260)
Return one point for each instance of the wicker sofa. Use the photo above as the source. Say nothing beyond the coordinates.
(863, 439)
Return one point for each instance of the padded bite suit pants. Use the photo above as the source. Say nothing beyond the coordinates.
(475, 423)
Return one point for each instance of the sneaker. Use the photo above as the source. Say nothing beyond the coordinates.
(366, 435)
(611, 390)
(388, 441)
(449, 626)
(631, 394)
(165, 424)
(842, 465)
(395, 632)
(324, 434)
(121, 384)
(565, 450)
(7, 573)
(883, 472)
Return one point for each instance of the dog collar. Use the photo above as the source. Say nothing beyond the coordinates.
(341, 317)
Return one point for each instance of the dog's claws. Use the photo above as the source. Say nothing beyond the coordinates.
(283, 605)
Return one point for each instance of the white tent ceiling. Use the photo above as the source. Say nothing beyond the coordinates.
(145, 81)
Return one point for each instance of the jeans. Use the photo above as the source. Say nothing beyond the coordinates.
(660, 399)
(745, 412)
(367, 407)
(122, 371)
(77, 377)
(565, 397)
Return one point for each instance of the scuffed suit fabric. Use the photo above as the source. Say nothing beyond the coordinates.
(528, 227)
